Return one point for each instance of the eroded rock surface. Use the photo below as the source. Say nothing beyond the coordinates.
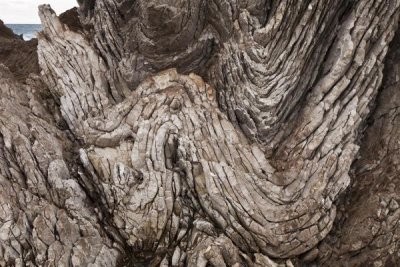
(367, 230)
(203, 133)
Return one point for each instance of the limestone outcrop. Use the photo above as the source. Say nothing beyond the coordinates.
(204, 133)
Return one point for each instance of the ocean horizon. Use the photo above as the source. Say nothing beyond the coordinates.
(28, 31)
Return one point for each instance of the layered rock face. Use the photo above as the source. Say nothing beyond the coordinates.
(367, 228)
(204, 133)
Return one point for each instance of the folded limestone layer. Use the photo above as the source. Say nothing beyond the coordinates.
(193, 133)
(367, 230)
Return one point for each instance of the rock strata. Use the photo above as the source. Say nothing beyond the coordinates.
(203, 133)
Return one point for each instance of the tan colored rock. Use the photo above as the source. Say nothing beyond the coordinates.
(209, 133)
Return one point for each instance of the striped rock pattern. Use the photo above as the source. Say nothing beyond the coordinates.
(200, 133)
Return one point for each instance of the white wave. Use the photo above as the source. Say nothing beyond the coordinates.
(29, 36)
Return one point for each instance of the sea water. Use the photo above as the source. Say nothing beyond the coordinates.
(28, 31)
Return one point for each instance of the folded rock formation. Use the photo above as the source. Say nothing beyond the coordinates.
(204, 133)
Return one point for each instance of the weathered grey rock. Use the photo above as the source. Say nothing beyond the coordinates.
(368, 233)
(202, 133)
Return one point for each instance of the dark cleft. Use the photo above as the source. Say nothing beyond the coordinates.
(71, 19)
(86, 6)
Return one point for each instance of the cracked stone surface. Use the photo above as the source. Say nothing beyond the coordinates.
(204, 133)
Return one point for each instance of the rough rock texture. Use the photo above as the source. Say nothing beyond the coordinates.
(368, 229)
(204, 133)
